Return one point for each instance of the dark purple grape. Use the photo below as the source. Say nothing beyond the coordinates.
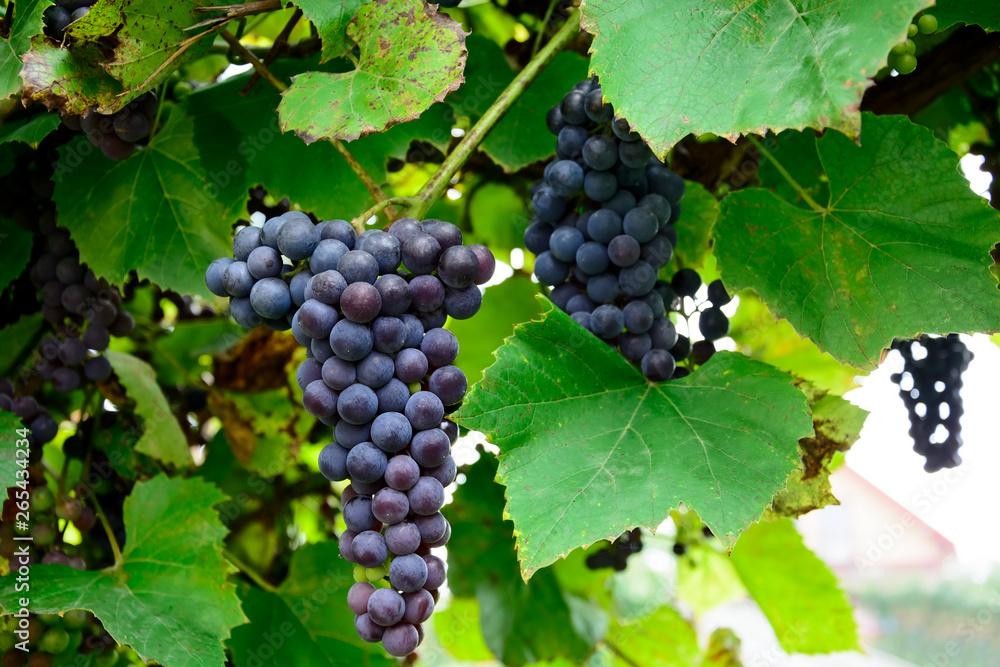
(440, 346)
(392, 397)
(358, 267)
(367, 629)
(391, 432)
(435, 573)
(424, 410)
(357, 597)
(385, 606)
(361, 302)
(357, 404)
(421, 253)
(427, 293)
(402, 472)
(408, 573)
(426, 496)
(388, 505)
(389, 334)
(351, 341)
(419, 606)
(97, 369)
(450, 385)
(333, 462)
(359, 518)
(395, 293)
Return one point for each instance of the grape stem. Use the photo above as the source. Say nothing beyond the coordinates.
(438, 183)
(249, 571)
(115, 549)
(359, 222)
(373, 188)
(788, 177)
(618, 652)
(541, 29)
(280, 44)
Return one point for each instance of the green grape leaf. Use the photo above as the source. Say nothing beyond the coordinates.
(27, 23)
(411, 57)
(521, 622)
(331, 20)
(15, 251)
(151, 213)
(9, 425)
(168, 598)
(17, 339)
(901, 247)
(504, 305)
(662, 639)
(241, 146)
(30, 131)
(722, 440)
(694, 227)
(69, 80)
(707, 579)
(741, 66)
(154, 39)
(306, 620)
(521, 137)
(162, 437)
(972, 12)
(796, 591)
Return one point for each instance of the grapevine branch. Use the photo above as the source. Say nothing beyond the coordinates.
(247, 570)
(280, 44)
(436, 186)
(262, 69)
(788, 177)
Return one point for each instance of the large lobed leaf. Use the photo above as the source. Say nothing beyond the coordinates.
(154, 213)
(740, 66)
(901, 246)
(411, 57)
(169, 598)
(972, 12)
(305, 622)
(162, 437)
(590, 449)
(27, 23)
(30, 131)
(796, 591)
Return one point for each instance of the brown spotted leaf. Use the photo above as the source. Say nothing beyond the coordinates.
(68, 80)
(411, 57)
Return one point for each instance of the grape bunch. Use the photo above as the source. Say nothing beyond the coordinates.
(603, 229)
(902, 56)
(930, 386)
(41, 424)
(370, 311)
(84, 312)
(116, 134)
(62, 13)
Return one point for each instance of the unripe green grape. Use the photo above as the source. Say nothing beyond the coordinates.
(51, 620)
(912, 30)
(360, 574)
(375, 573)
(899, 49)
(906, 63)
(927, 24)
(911, 47)
(75, 619)
(42, 499)
(7, 641)
(54, 641)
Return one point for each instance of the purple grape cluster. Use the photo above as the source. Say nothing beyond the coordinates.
(370, 311)
(930, 386)
(603, 229)
(84, 311)
(38, 420)
(116, 134)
